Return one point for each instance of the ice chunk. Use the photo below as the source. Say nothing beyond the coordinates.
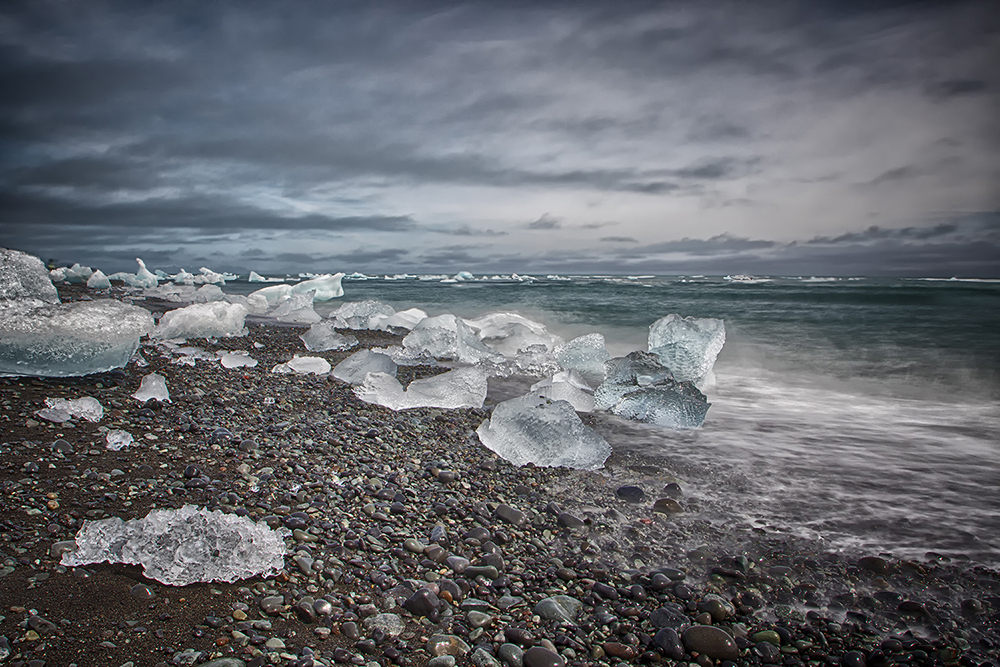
(297, 309)
(23, 276)
(687, 346)
(98, 280)
(78, 275)
(460, 388)
(203, 320)
(69, 339)
(469, 349)
(143, 278)
(208, 294)
(237, 360)
(404, 319)
(359, 314)
(57, 275)
(152, 386)
(354, 368)
(573, 377)
(255, 304)
(563, 390)
(304, 366)
(274, 294)
(182, 277)
(256, 278)
(326, 287)
(585, 354)
(60, 410)
(639, 388)
(509, 333)
(209, 277)
(118, 440)
(434, 336)
(322, 336)
(185, 546)
(534, 429)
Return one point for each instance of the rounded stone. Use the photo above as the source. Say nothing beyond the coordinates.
(446, 645)
(667, 506)
(442, 661)
(142, 592)
(631, 494)
(542, 657)
(390, 624)
(712, 641)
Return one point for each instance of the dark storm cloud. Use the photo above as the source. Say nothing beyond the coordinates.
(717, 245)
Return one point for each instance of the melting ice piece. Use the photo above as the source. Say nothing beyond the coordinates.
(469, 349)
(203, 320)
(185, 546)
(326, 287)
(508, 333)
(23, 276)
(237, 360)
(143, 278)
(118, 440)
(534, 429)
(274, 294)
(57, 275)
(152, 386)
(564, 390)
(182, 277)
(304, 366)
(687, 346)
(639, 388)
(322, 336)
(256, 278)
(255, 304)
(77, 274)
(69, 339)
(354, 368)
(209, 277)
(382, 389)
(60, 409)
(98, 280)
(460, 388)
(404, 319)
(298, 308)
(434, 336)
(359, 314)
(208, 294)
(586, 354)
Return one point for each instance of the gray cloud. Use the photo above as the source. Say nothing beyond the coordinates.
(619, 239)
(545, 221)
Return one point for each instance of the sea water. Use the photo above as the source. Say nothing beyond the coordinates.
(860, 414)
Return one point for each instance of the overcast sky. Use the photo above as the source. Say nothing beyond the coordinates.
(764, 137)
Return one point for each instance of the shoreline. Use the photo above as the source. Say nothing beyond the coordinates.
(397, 477)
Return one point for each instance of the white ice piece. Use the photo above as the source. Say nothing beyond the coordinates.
(322, 337)
(534, 429)
(298, 308)
(209, 277)
(237, 360)
(118, 440)
(203, 320)
(23, 276)
(354, 368)
(57, 275)
(98, 280)
(460, 388)
(508, 333)
(359, 314)
(403, 319)
(152, 386)
(304, 366)
(256, 278)
(585, 354)
(208, 294)
(60, 409)
(382, 389)
(326, 287)
(182, 277)
(469, 349)
(639, 388)
(561, 388)
(274, 294)
(143, 278)
(185, 546)
(77, 274)
(434, 336)
(255, 304)
(687, 346)
(69, 339)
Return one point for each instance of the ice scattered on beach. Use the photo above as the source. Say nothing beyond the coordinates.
(98, 280)
(641, 389)
(118, 440)
(59, 410)
(326, 287)
(296, 309)
(322, 337)
(304, 366)
(535, 429)
(354, 368)
(23, 276)
(460, 388)
(237, 360)
(359, 314)
(152, 386)
(183, 546)
(585, 354)
(687, 346)
(203, 320)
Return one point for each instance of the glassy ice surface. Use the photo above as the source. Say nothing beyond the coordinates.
(118, 440)
(510, 333)
(326, 287)
(354, 368)
(534, 429)
(687, 346)
(469, 349)
(304, 366)
(208, 294)
(434, 341)
(298, 308)
(585, 354)
(322, 336)
(404, 319)
(274, 294)
(183, 546)
(152, 386)
(98, 280)
(60, 409)
(460, 388)
(23, 276)
(203, 320)
(78, 274)
(237, 360)
(382, 389)
(69, 339)
(641, 389)
(566, 391)
(359, 314)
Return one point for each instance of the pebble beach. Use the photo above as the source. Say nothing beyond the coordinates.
(410, 543)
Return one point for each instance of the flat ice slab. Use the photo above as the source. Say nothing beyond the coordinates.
(203, 320)
(534, 429)
(354, 368)
(641, 389)
(59, 410)
(304, 366)
(184, 546)
(322, 336)
(460, 388)
(687, 346)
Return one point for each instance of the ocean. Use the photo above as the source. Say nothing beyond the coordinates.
(858, 414)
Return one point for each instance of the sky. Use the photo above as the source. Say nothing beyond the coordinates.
(705, 137)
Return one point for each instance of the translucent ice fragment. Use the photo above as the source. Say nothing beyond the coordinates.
(534, 429)
(256, 278)
(274, 294)
(143, 278)
(560, 390)
(98, 280)
(322, 336)
(298, 308)
(208, 294)
(69, 339)
(78, 275)
(183, 546)
(182, 277)
(354, 368)
(60, 409)
(687, 346)
(469, 349)
(203, 320)
(382, 389)
(304, 366)
(434, 336)
(326, 287)
(237, 360)
(639, 388)
(509, 333)
(255, 304)
(23, 276)
(460, 388)
(586, 354)
(152, 386)
(118, 440)
(404, 319)
(209, 277)
(359, 314)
